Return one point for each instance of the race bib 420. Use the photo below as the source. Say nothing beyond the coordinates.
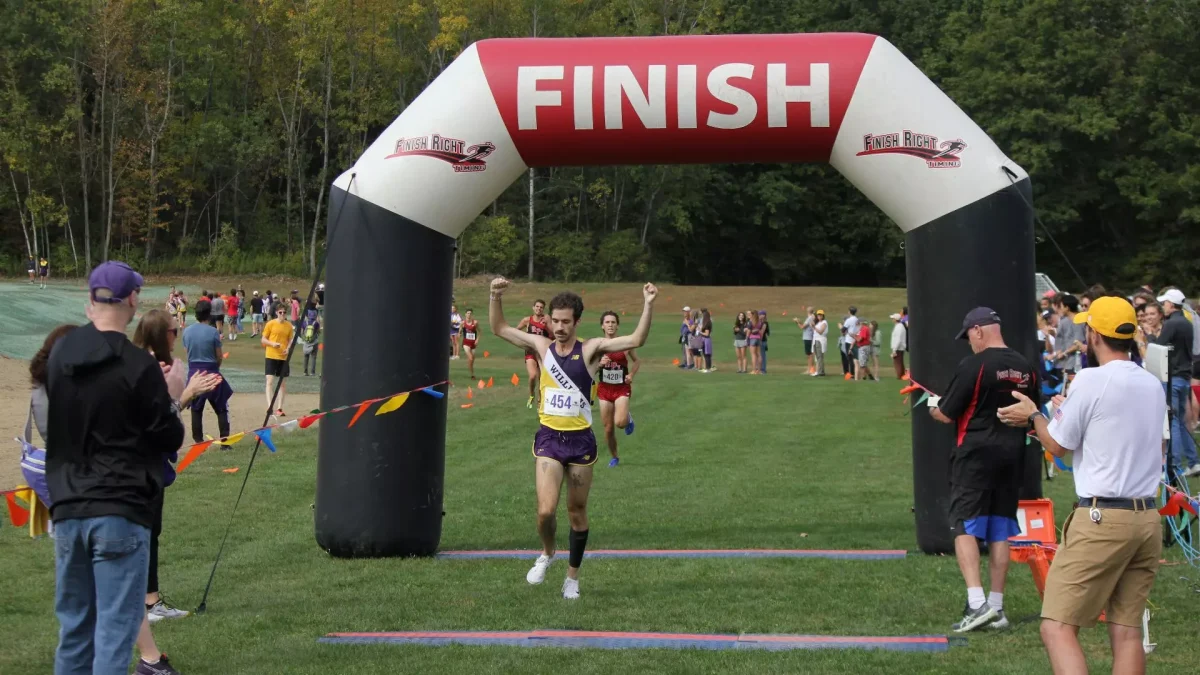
(613, 376)
(561, 403)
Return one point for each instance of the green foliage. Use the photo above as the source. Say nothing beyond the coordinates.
(179, 115)
(492, 245)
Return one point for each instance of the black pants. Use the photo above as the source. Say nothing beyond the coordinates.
(198, 423)
(155, 530)
(847, 360)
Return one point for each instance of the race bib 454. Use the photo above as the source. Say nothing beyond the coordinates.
(561, 403)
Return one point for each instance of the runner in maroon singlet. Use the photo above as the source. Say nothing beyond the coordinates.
(534, 325)
(615, 387)
(469, 331)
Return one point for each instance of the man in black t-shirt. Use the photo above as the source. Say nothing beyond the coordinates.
(985, 466)
(256, 315)
(1177, 336)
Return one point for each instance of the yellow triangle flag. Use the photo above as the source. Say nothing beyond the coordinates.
(392, 404)
(232, 440)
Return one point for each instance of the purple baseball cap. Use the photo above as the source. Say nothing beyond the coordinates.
(113, 281)
(980, 316)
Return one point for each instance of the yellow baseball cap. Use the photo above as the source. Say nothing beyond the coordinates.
(1110, 316)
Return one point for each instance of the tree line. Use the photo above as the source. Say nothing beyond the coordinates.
(202, 135)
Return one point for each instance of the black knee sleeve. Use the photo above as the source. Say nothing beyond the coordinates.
(578, 541)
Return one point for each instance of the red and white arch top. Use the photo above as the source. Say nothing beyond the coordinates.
(849, 99)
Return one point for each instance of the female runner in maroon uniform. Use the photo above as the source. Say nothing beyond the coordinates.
(470, 337)
(615, 387)
(534, 325)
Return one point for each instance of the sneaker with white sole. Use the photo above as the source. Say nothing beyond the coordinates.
(1194, 470)
(570, 589)
(537, 573)
(974, 618)
(162, 667)
(1000, 622)
(161, 610)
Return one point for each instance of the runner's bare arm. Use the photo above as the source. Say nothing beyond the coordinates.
(523, 324)
(634, 365)
(596, 347)
(506, 332)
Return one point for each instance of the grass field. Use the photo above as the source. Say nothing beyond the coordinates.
(718, 461)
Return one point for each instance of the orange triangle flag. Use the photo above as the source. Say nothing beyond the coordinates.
(362, 408)
(192, 453)
(491, 381)
(18, 515)
(515, 380)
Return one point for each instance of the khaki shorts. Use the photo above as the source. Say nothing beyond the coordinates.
(1107, 566)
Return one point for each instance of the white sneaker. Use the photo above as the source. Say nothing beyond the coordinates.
(162, 610)
(570, 589)
(1193, 471)
(537, 573)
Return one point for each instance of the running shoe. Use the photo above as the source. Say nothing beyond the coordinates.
(570, 589)
(161, 610)
(280, 413)
(163, 667)
(629, 426)
(1194, 470)
(975, 618)
(537, 573)
(529, 403)
(1000, 622)
(613, 462)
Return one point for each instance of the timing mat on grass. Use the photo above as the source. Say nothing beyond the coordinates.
(696, 553)
(607, 640)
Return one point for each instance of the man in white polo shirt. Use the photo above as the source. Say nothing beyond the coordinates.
(1111, 422)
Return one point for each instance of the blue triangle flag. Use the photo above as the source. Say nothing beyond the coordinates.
(433, 392)
(265, 435)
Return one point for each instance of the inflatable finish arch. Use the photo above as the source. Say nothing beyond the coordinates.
(852, 100)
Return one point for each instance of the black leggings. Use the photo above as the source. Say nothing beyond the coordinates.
(155, 530)
(198, 423)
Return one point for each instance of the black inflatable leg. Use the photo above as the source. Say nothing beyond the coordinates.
(379, 484)
(979, 255)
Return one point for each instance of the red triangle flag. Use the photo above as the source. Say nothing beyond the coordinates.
(192, 453)
(308, 420)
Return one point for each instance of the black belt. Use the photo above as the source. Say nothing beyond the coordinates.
(1138, 504)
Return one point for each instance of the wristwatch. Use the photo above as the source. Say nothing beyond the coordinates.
(1034, 416)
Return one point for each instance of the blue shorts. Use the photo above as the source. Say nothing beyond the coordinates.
(986, 514)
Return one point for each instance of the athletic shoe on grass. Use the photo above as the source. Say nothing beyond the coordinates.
(161, 610)
(570, 589)
(537, 573)
(163, 667)
(613, 462)
(1000, 622)
(975, 618)
(629, 426)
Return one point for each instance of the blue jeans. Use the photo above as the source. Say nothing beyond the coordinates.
(1182, 444)
(764, 356)
(100, 589)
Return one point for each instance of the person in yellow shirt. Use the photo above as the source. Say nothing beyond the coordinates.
(277, 337)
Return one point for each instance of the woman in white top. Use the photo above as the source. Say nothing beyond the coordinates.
(820, 343)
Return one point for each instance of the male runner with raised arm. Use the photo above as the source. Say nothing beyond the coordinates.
(564, 445)
(534, 324)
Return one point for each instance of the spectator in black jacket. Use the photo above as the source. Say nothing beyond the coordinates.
(111, 419)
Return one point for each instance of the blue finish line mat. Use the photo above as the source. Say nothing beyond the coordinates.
(695, 553)
(610, 640)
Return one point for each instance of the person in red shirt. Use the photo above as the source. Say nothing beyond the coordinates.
(615, 387)
(469, 332)
(231, 312)
(862, 367)
(534, 325)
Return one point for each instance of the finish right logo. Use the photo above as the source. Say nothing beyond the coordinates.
(937, 154)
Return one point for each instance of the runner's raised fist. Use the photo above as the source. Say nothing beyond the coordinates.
(499, 285)
(649, 292)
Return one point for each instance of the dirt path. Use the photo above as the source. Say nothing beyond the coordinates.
(246, 412)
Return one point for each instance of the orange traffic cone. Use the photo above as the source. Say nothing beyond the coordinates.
(491, 381)
(481, 384)
(515, 380)
(470, 394)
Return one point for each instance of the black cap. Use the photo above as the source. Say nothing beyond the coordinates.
(980, 316)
